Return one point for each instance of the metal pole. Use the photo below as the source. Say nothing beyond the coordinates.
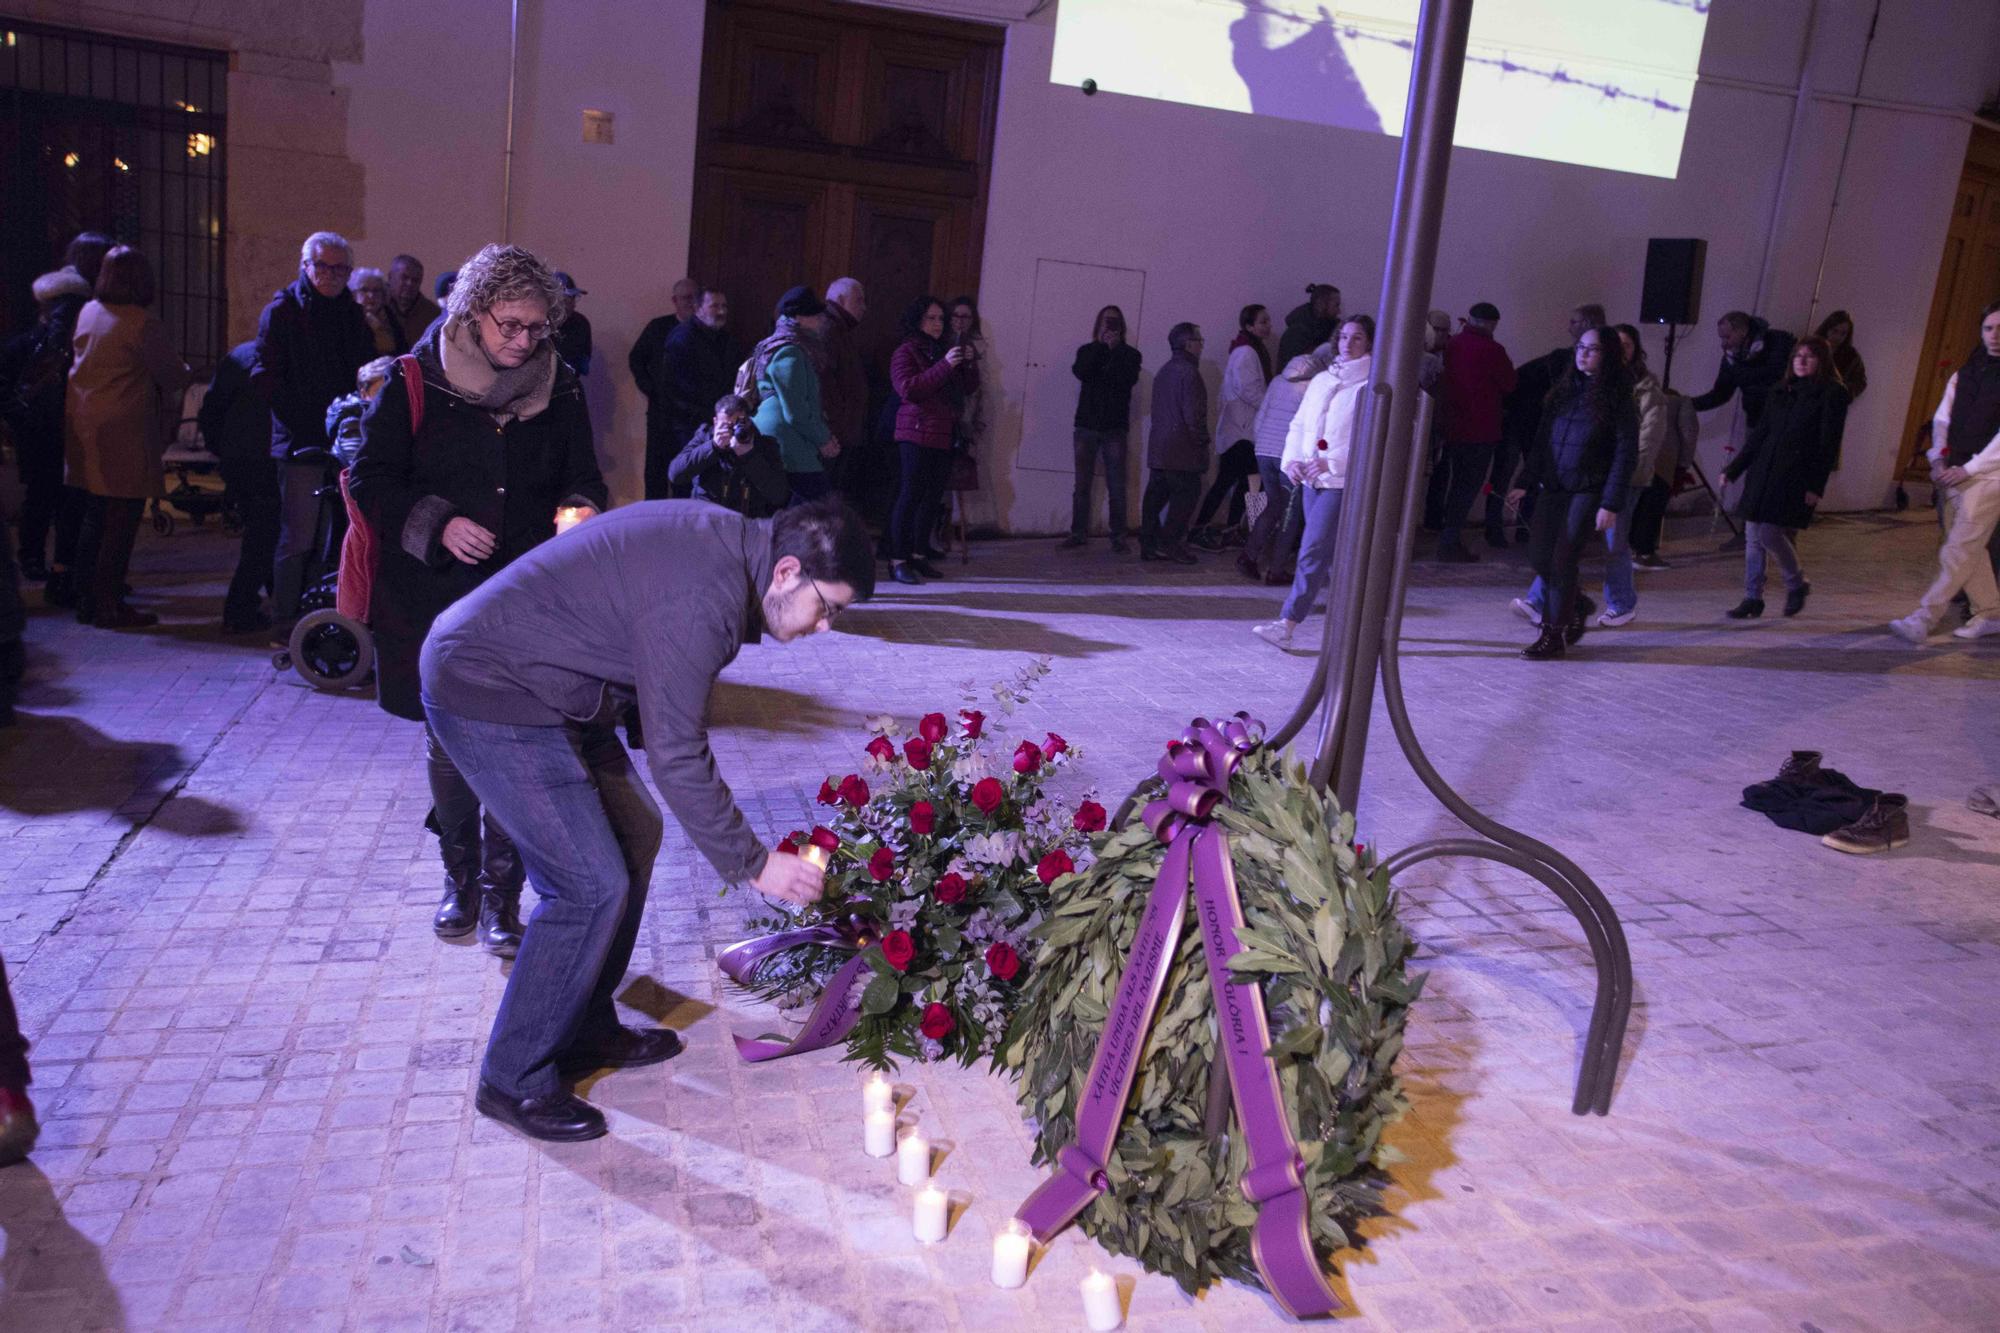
(507, 156)
(1437, 69)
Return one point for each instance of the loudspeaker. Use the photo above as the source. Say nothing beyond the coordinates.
(1672, 293)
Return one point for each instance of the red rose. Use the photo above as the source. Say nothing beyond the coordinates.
(932, 728)
(987, 793)
(1054, 866)
(882, 864)
(1003, 962)
(827, 795)
(938, 1022)
(923, 817)
(973, 721)
(1054, 745)
(821, 837)
(1027, 757)
(918, 751)
(951, 889)
(899, 949)
(1089, 817)
(883, 748)
(853, 790)
(789, 847)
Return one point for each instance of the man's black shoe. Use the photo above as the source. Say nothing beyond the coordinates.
(902, 573)
(1549, 645)
(923, 566)
(631, 1048)
(560, 1117)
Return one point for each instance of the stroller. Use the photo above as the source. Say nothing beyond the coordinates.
(331, 646)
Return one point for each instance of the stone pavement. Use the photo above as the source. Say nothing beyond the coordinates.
(256, 1063)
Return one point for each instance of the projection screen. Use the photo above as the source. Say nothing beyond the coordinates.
(1598, 83)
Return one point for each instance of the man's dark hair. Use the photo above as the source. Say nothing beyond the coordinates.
(732, 402)
(125, 278)
(408, 261)
(1181, 334)
(1593, 314)
(912, 322)
(85, 253)
(830, 541)
(1736, 319)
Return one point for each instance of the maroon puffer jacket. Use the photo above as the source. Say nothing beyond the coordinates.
(929, 388)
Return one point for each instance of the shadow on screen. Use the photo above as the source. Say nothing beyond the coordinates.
(1304, 78)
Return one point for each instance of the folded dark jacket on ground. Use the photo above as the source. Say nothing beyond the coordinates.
(1832, 802)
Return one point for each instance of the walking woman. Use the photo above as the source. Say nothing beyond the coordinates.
(1244, 379)
(1784, 466)
(1275, 537)
(124, 397)
(1581, 460)
(1315, 459)
(930, 380)
(461, 471)
(786, 367)
(1848, 367)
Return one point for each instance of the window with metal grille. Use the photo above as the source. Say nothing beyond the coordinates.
(124, 137)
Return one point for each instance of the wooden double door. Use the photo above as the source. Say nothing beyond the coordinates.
(841, 141)
(1968, 281)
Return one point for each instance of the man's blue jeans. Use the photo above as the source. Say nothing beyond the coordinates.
(588, 833)
(1620, 593)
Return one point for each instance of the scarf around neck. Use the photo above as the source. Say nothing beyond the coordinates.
(509, 393)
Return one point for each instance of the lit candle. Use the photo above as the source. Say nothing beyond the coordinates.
(1101, 1307)
(1010, 1255)
(567, 517)
(877, 1094)
(913, 1158)
(816, 855)
(879, 1140)
(933, 1207)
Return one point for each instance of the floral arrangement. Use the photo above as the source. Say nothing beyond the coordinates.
(944, 848)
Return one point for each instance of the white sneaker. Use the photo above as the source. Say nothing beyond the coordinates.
(1976, 628)
(1522, 608)
(1613, 619)
(1912, 628)
(1277, 633)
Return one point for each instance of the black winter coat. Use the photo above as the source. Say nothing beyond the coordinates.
(697, 366)
(1790, 453)
(1573, 452)
(752, 484)
(234, 422)
(1761, 364)
(308, 350)
(510, 480)
(1107, 374)
(1303, 331)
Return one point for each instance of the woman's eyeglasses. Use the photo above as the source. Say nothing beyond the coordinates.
(510, 329)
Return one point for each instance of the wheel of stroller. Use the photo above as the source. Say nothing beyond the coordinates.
(163, 522)
(331, 651)
(281, 661)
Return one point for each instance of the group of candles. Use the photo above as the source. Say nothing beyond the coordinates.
(1012, 1248)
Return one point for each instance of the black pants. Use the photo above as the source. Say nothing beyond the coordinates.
(661, 450)
(1166, 507)
(1649, 516)
(299, 530)
(13, 1046)
(104, 552)
(253, 487)
(1087, 447)
(1500, 480)
(41, 459)
(915, 518)
(70, 504)
(1232, 482)
(1466, 466)
(1565, 522)
(473, 845)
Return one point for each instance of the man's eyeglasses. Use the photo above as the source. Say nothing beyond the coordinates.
(827, 610)
(341, 270)
(510, 329)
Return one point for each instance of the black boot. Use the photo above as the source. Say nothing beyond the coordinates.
(500, 880)
(1748, 609)
(460, 849)
(1550, 644)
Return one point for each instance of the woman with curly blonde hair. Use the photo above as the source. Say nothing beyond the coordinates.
(463, 468)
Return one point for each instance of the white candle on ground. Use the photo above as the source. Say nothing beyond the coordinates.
(913, 1158)
(879, 1138)
(877, 1094)
(933, 1207)
(1010, 1255)
(1101, 1307)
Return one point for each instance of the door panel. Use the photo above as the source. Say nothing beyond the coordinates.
(1968, 278)
(1067, 299)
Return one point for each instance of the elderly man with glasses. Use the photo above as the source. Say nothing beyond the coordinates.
(311, 339)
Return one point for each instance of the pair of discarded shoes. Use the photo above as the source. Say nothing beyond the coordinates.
(1882, 827)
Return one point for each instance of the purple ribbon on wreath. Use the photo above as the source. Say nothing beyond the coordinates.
(1197, 768)
(834, 1014)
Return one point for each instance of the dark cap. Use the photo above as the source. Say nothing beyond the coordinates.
(568, 284)
(800, 303)
(1486, 310)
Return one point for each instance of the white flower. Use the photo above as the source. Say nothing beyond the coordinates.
(994, 849)
(882, 724)
(970, 767)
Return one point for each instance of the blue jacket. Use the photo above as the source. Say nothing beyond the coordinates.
(1574, 452)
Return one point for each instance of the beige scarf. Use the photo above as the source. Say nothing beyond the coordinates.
(509, 393)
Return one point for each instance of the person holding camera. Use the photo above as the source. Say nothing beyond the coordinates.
(930, 378)
(1107, 367)
(728, 463)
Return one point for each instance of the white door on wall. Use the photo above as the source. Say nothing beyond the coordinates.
(1067, 299)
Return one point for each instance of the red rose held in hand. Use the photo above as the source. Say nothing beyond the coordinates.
(923, 817)
(853, 790)
(1054, 866)
(951, 889)
(1054, 745)
(1089, 817)
(822, 837)
(938, 1022)
(788, 847)
(899, 949)
(827, 795)
(1027, 757)
(973, 721)
(932, 728)
(918, 751)
(1002, 961)
(883, 748)
(882, 864)
(987, 793)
